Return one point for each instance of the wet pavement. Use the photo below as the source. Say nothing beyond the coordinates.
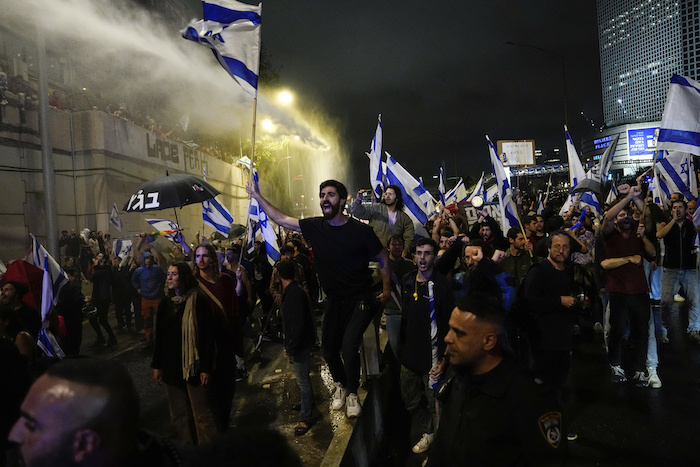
(616, 424)
(263, 400)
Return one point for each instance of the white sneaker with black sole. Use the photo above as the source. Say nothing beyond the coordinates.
(352, 404)
(338, 400)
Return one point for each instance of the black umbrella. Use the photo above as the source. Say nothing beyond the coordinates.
(171, 191)
(588, 184)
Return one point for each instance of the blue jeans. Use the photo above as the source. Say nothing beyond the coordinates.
(670, 281)
(301, 370)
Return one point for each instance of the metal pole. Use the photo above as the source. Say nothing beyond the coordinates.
(51, 243)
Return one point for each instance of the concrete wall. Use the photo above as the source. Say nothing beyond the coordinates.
(99, 160)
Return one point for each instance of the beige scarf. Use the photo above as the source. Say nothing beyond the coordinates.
(190, 354)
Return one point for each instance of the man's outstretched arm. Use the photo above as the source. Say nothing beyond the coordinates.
(272, 212)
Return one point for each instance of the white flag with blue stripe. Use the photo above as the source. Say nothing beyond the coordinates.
(458, 194)
(418, 202)
(42, 259)
(46, 340)
(612, 194)
(114, 218)
(680, 124)
(578, 173)
(676, 174)
(441, 187)
(478, 189)
(259, 224)
(216, 216)
(491, 193)
(376, 169)
(509, 215)
(231, 30)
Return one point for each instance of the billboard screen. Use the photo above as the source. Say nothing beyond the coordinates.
(642, 142)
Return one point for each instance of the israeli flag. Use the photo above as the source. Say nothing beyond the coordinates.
(578, 173)
(42, 259)
(478, 189)
(122, 248)
(612, 195)
(165, 227)
(680, 124)
(46, 341)
(419, 203)
(509, 215)
(441, 187)
(676, 173)
(259, 225)
(114, 218)
(457, 194)
(376, 169)
(231, 30)
(216, 216)
(491, 193)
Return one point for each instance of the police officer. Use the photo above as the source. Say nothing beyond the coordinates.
(493, 413)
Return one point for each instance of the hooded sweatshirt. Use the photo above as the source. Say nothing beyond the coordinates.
(150, 279)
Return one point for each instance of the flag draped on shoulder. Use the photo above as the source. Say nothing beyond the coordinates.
(441, 187)
(42, 259)
(376, 169)
(509, 215)
(680, 123)
(676, 174)
(114, 218)
(216, 216)
(478, 189)
(231, 30)
(458, 194)
(258, 223)
(418, 202)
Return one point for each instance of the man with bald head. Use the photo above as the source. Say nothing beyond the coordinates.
(493, 412)
(83, 412)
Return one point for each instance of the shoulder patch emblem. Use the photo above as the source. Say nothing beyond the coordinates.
(550, 426)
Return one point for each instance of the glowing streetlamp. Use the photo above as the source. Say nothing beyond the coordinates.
(285, 97)
(268, 125)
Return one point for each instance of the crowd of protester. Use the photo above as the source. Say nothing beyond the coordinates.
(465, 309)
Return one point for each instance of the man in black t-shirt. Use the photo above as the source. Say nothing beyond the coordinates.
(343, 248)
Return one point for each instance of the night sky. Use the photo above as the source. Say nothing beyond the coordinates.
(441, 74)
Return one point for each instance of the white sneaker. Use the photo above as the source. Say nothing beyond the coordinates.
(338, 400)
(654, 380)
(424, 443)
(354, 409)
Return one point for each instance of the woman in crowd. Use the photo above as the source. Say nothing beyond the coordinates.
(183, 355)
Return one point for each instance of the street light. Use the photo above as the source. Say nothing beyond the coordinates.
(285, 97)
(560, 60)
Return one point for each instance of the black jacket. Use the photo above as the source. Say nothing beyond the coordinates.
(501, 418)
(415, 350)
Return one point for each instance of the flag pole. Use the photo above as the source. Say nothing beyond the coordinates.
(653, 171)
